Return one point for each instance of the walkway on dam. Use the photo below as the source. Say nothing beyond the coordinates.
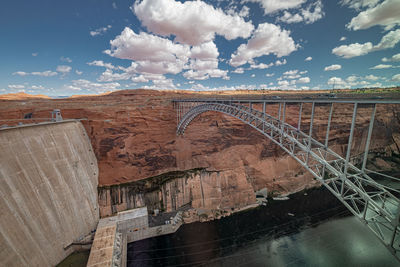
(114, 233)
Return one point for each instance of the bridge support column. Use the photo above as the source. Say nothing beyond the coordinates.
(328, 128)
(349, 144)
(283, 122)
(264, 111)
(299, 121)
(371, 126)
(310, 132)
(279, 113)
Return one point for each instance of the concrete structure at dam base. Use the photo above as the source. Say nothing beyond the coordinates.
(109, 246)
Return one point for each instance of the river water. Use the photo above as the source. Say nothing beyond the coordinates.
(312, 228)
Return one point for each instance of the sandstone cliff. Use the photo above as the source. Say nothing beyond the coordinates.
(133, 136)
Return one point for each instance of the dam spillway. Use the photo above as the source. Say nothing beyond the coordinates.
(49, 178)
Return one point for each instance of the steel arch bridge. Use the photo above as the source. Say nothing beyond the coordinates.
(375, 204)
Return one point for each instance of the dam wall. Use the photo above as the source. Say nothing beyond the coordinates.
(48, 192)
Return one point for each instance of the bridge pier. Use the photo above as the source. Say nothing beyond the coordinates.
(371, 126)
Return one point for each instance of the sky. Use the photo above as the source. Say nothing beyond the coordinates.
(63, 48)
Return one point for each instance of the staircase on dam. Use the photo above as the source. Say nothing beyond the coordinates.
(375, 204)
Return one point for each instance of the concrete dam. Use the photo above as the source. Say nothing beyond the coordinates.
(49, 179)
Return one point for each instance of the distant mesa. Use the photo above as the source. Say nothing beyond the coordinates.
(19, 96)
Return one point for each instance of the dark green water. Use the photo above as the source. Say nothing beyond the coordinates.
(319, 231)
(76, 259)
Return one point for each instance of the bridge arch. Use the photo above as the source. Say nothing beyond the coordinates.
(368, 200)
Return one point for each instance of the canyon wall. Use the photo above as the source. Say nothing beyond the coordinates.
(48, 189)
(222, 191)
(133, 134)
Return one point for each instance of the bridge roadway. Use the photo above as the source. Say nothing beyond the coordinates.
(375, 204)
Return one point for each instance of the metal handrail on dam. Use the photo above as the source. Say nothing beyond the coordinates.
(375, 204)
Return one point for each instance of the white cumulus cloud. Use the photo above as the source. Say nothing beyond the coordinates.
(336, 81)
(37, 87)
(381, 66)
(191, 22)
(352, 78)
(267, 39)
(280, 62)
(66, 59)
(101, 63)
(204, 63)
(261, 66)
(244, 12)
(166, 84)
(47, 73)
(371, 77)
(153, 54)
(354, 50)
(396, 78)
(355, 81)
(100, 31)
(304, 80)
(64, 69)
(239, 71)
(271, 6)
(290, 72)
(385, 14)
(83, 84)
(358, 4)
(16, 86)
(393, 58)
(21, 73)
(333, 67)
(283, 83)
(309, 15)
(109, 76)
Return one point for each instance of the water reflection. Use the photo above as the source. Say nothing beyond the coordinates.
(321, 233)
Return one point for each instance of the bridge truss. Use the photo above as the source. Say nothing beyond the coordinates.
(375, 204)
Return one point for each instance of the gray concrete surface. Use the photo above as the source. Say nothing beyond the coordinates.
(48, 192)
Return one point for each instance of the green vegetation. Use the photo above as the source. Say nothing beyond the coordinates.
(367, 90)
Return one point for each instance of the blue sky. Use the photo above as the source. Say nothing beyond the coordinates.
(62, 48)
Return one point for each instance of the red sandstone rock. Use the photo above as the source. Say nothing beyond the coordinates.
(133, 134)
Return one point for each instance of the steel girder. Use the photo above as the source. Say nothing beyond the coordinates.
(368, 200)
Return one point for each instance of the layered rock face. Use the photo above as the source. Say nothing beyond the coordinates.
(133, 134)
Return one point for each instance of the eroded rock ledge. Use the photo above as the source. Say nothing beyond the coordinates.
(218, 192)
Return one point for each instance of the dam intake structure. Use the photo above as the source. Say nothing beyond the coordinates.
(373, 203)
